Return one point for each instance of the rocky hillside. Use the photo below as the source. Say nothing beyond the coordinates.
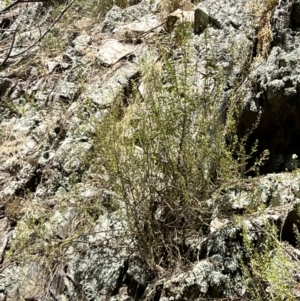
(149, 150)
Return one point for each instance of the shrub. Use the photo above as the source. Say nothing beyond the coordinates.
(165, 152)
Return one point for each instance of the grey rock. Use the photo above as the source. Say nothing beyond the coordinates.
(52, 136)
(5, 235)
(277, 80)
(81, 44)
(111, 18)
(66, 90)
(117, 17)
(143, 25)
(101, 269)
(26, 282)
(82, 40)
(221, 15)
(105, 95)
(62, 223)
(274, 189)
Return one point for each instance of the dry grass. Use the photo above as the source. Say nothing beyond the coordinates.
(169, 6)
(10, 146)
(263, 12)
(16, 208)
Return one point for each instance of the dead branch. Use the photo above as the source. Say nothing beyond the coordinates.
(16, 3)
(42, 36)
(10, 49)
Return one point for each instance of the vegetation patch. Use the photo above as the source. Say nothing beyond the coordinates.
(161, 152)
(166, 150)
(268, 274)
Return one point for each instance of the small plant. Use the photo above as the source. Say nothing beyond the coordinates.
(8, 107)
(41, 238)
(51, 43)
(268, 271)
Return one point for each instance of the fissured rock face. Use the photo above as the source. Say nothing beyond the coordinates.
(274, 105)
(47, 133)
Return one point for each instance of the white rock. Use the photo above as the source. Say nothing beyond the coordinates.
(145, 24)
(112, 51)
